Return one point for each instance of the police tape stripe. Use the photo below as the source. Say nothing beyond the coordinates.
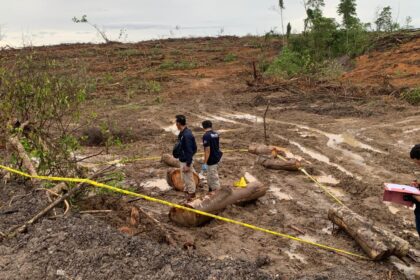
(170, 204)
(130, 160)
(303, 170)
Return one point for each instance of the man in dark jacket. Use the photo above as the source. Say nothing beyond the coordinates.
(415, 156)
(187, 148)
(212, 155)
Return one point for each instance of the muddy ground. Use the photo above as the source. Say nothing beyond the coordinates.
(353, 137)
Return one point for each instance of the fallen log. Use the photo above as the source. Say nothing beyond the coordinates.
(277, 164)
(260, 149)
(26, 161)
(378, 243)
(170, 160)
(215, 202)
(173, 177)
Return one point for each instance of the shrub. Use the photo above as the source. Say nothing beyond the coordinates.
(180, 65)
(289, 63)
(230, 57)
(412, 96)
(37, 92)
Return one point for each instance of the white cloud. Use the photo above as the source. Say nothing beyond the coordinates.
(145, 19)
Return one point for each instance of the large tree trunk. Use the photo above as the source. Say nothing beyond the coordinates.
(277, 164)
(260, 149)
(173, 177)
(215, 202)
(170, 160)
(378, 243)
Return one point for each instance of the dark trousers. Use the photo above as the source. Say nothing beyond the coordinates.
(417, 214)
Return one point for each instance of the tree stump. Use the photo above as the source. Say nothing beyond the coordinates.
(173, 177)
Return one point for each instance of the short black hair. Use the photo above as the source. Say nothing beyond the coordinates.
(181, 119)
(415, 152)
(207, 124)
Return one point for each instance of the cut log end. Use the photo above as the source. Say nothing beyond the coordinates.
(173, 177)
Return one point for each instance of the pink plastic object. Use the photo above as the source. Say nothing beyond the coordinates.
(395, 193)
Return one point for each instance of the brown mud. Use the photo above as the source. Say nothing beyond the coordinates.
(356, 137)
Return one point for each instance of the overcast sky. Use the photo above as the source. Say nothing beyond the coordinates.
(43, 22)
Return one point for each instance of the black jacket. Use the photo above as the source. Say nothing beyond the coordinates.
(188, 146)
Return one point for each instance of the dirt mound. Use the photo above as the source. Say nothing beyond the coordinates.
(399, 67)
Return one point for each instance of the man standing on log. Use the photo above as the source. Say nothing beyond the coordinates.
(212, 155)
(184, 150)
(415, 156)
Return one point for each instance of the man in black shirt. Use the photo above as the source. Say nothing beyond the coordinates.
(212, 155)
(184, 150)
(415, 156)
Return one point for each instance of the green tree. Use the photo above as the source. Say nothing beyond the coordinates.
(347, 9)
(313, 11)
(384, 20)
(289, 30)
(101, 32)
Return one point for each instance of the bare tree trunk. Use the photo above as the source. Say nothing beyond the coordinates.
(265, 124)
(215, 202)
(282, 26)
(378, 243)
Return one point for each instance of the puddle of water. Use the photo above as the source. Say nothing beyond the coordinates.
(317, 156)
(222, 119)
(336, 139)
(278, 194)
(229, 130)
(394, 210)
(327, 179)
(171, 128)
(327, 230)
(336, 192)
(160, 184)
(245, 116)
(408, 271)
(333, 139)
(412, 130)
(298, 257)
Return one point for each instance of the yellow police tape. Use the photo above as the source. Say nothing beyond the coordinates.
(303, 170)
(129, 160)
(170, 204)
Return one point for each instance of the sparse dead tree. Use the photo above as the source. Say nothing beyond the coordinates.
(100, 31)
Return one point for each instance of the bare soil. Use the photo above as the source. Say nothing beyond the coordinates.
(357, 135)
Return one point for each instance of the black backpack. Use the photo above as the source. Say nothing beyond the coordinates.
(177, 150)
